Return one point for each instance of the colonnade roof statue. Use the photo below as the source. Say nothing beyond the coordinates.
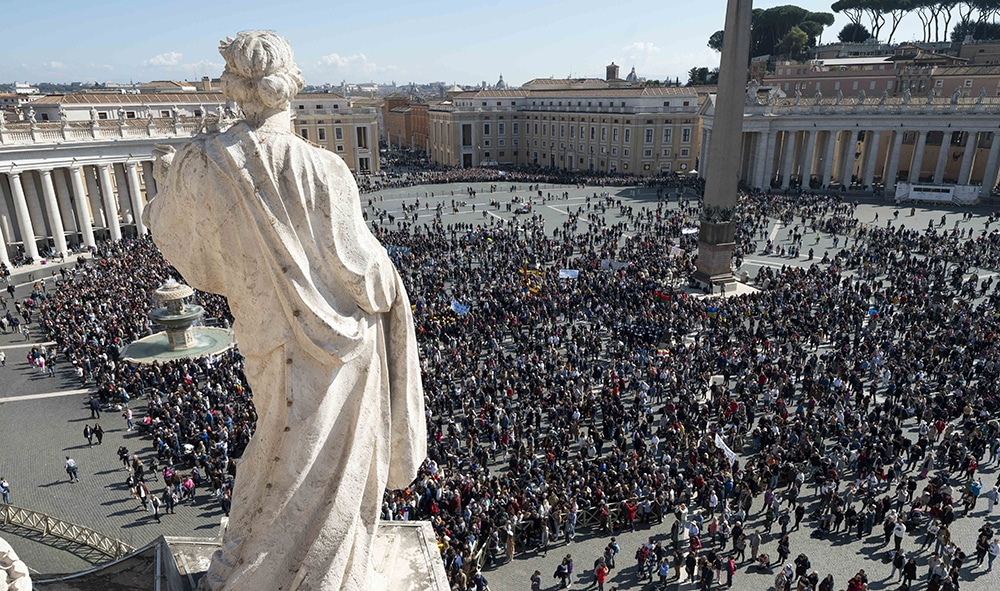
(260, 216)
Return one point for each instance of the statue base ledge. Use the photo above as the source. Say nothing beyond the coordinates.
(404, 558)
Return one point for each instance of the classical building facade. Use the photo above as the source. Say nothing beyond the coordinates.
(866, 142)
(79, 167)
(332, 122)
(405, 122)
(575, 124)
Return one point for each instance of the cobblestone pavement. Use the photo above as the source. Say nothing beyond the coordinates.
(42, 419)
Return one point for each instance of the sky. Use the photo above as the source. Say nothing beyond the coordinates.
(413, 41)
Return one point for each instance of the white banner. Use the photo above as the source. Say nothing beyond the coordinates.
(730, 454)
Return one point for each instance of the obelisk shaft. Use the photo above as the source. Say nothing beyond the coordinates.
(716, 239)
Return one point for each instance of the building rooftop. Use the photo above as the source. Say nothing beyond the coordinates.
(86, 98)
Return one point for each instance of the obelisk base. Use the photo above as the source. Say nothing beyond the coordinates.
(716, 243)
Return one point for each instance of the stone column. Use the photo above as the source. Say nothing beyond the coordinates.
(942, 160)
(52, 207)
(873, 138)
(82, 206)
(760, 154)
(4, 257)
(708, 142)
(971, 141)
(110, 203)
(94, 196)
(807, 164)
(34, 201)
(136, 195)
(716, 239)
(847, 157)
(918, 157)
(23, 217)
(65, 201)
(831, 153)
(893, 170)
(125, 212)
(990, 174)
(787, 157)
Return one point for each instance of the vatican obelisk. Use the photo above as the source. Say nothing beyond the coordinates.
(718, 225)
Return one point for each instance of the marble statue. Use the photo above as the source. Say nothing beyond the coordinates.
(883, 98)
(257, 214)
(956, 95)
(930, 96)
(62, 114)
(30, 115)
(818, 97)
(862, 97)
(93, 115)
(798, 96)
(906, 96)
(982, 95)
(840, 97)
(752, 88)
(14, 575)
(121, 116)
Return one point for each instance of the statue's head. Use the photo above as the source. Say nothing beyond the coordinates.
(260, 73)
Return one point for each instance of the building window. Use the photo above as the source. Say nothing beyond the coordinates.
(628, 135)
(685, 135)
(836, 85)
(536, 129)
(685, 152)
(647, 153)
(871, 86)
(968, 83)
(938, 83)
(649, 136)
(668, 135)
(614, 151)
(338, 133)
(625, 152)
(486, 154)
(625, 165)
(319, 106)
(604, 134)
(500, 129)
(486, 129)
(593, 132)
(501, 153)
(304, 133)
(130, 114)
(666, 103)
(501, 143)
(362, 133)
(486, 143)
(340, 147)
(666, 152)
(321, 134)
(515, 128)
(687, 103)
(614, 134)
(302, 107)
(572, 132)
(854, 85)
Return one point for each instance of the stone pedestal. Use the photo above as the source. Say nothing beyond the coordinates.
(716, 242)
(405, 558)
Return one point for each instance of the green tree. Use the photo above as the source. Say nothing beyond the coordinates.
(768, 27)
(854, 33)
(795, 44)
(980, 31)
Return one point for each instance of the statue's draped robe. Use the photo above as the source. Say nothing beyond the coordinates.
(325, 325)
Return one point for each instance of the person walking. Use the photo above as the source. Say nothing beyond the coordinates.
(536, 581)
(992, 552)
(127, 415)
(95, 407)
(72, 470)
(3, 359)
(4, 490)
(98, 433)
(88, 434)
(600, 573)
(155, 502)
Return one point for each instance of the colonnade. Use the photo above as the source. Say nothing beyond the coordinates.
(47, 211)
(867, 158)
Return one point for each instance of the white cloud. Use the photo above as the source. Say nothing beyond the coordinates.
(55, 65)
(356, 65)
(170, 58)
(641, 50)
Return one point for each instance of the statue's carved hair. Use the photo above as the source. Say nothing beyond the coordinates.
(260, 69)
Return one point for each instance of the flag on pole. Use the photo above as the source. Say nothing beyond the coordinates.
(730, 454)
(460, 309)
(662, 296)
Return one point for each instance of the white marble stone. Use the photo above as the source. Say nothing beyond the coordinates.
(257, 214)
(14, 574)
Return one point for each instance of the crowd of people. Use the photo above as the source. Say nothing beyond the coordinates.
(609, 401)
